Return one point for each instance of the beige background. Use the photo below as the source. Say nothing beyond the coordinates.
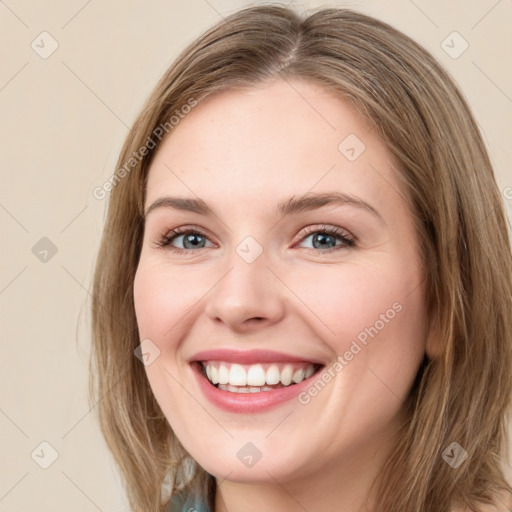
(63, 120)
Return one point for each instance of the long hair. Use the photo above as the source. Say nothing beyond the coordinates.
(463, 391)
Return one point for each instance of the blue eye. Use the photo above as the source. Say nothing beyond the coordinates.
(193, 239)
(322, 237)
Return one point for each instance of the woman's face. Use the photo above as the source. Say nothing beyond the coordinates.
(253, 288)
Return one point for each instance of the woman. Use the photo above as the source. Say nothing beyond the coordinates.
(303, 293)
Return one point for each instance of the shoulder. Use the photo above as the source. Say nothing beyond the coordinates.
(186, 503)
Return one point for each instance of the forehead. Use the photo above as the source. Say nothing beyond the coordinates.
(265, 142)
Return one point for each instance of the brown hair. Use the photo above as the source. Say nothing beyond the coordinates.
(463, 392)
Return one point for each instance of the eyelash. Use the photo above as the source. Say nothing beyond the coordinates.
(348, 241)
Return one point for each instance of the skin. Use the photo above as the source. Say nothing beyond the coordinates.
(242, 152)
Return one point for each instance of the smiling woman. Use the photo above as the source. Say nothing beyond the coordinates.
(303, 293)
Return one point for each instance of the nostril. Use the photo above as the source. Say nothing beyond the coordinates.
(253, 319)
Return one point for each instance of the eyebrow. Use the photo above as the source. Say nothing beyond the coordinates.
(293, 205)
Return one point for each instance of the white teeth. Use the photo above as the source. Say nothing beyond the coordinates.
(237, 389)
(254, 378)
(273, 375)
(237, 375)
(286, 375)
(298, 375)
(256, 375)
(223, 374)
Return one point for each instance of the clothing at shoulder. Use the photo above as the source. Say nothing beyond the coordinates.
(184, 503)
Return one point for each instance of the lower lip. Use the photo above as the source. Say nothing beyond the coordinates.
(248, 402)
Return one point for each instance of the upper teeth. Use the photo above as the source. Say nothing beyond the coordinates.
(257, 374)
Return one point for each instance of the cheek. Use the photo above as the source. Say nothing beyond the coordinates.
(378, 321)
(163, 298)
(374, 317)
(352, 301)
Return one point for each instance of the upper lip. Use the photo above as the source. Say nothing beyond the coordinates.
(250, 356)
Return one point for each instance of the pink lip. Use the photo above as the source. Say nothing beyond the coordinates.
(248, 402)
(249, 357)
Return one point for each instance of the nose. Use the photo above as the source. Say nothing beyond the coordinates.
(248, 296)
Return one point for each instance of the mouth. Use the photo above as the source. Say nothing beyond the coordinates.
(252, 381)
(256, 378)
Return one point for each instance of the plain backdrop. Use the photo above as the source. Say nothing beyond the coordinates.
(73, 76)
